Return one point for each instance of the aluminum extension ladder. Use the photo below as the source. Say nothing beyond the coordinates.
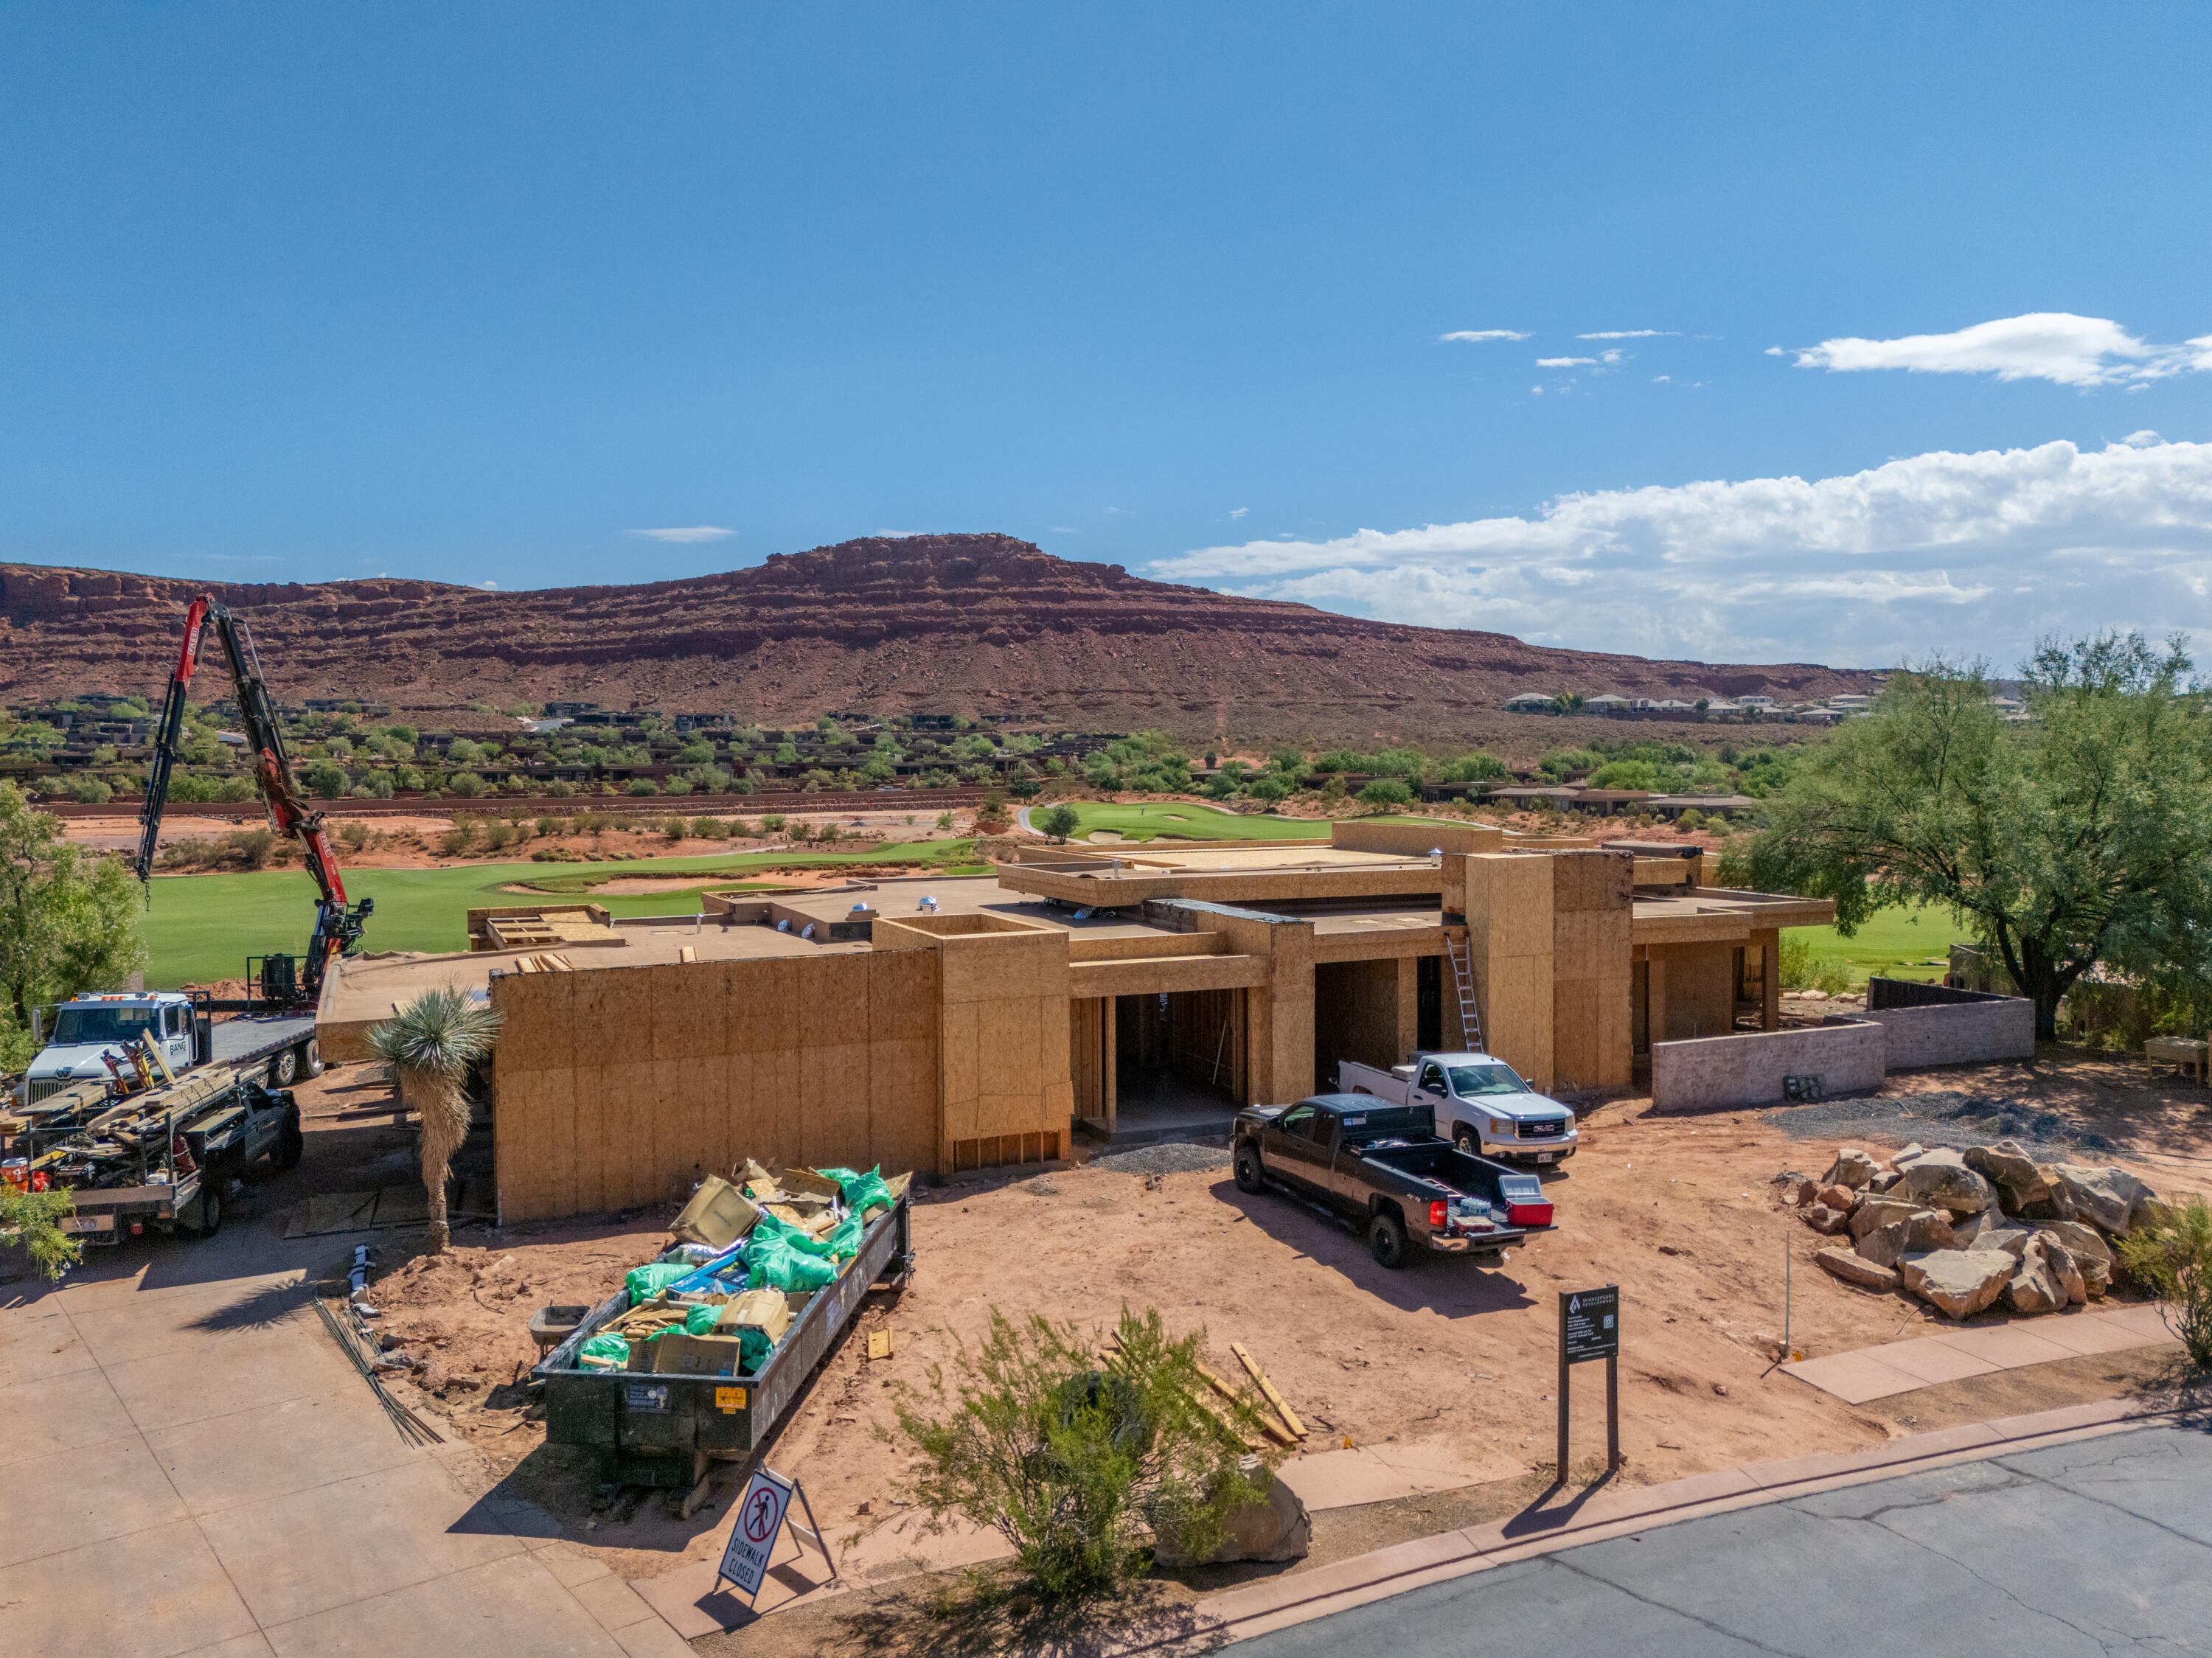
(1470, 1021)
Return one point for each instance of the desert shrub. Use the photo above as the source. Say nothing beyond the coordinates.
(676, 828)
(1385, 792)
(467, 785)
(1690, 821)
(772, 822)
(89, 791)
(498, 835)
(677, 785)
(643, 785)
(1070, 1463)
(255, 846)
(828, 834)
(550, 825)
(944, 820)
(32, 1220)
(190, 851)
(559, 787)
(2173, 1256)
(353, 834)
(1273, 788)
(460, 837)
(1802, 969)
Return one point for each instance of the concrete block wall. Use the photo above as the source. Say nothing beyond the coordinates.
(1962, 1033)
(1748, 1069)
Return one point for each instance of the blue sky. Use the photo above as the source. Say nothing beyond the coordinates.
(477, 292)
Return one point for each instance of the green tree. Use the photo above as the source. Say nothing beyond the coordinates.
(2083, 835)
(429, 1046)
(68, 920)
(1061, 822)
(1385, 792)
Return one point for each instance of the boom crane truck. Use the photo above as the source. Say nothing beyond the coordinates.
(282, 982)
(140, 1105)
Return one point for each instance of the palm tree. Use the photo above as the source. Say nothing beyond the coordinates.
(429, 1045)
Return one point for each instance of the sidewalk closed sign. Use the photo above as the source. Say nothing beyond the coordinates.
(760, 1522)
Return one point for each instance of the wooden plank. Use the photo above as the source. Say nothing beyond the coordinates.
(1260, 1378)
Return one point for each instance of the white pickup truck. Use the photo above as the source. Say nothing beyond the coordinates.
(1481, 1104)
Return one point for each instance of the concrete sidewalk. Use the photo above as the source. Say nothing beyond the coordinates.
(192, 1464)
(1898, 1367)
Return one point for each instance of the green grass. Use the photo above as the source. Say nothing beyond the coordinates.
(1184, 821)
(1896, 943)
(203, 927)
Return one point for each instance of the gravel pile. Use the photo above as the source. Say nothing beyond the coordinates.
(1168, 1157)
(1940, 1118)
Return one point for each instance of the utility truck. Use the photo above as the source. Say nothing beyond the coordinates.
(1480, 1104)
(1380, 1167)
(131, 1039)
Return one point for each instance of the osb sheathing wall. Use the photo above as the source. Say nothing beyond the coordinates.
(1506, 900)
(1278, 1014)
(1004, 1058)
(1592, 990)
(622, 1087)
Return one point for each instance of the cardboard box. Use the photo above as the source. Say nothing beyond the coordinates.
(717, 1215)
(802, 1182)
(767, 1310)
(685, 1354)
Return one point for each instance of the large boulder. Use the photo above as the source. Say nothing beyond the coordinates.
(1958, 1281)
(1276, 1528)
(2012, 1171)
(1914, 1150)
(1825, 1220)
(2090, 1252)
(2106, 1197)
(2063, 1267)
(1838, 1197)
(2033, 1287)
(1990, 1230)
(1916, 1234)
(1941, 1179)
(1881, 1211)
(1852, 1168)
(1883, 1181)
(1855, 1269)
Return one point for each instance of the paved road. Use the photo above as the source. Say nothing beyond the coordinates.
(2102, 1547)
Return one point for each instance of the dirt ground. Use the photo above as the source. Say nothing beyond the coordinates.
(1684, 1212)
(417, 842)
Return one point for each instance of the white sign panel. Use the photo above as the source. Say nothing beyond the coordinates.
(760, 1521)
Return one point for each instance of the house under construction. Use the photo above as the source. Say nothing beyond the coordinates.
(945, 1024)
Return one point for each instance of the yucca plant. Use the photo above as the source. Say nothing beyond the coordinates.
(429, 1045)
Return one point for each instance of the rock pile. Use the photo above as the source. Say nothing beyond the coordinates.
(1965, 1230)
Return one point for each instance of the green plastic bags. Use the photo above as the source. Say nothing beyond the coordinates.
(644, 1282)
(774, 1264)
(805, 1242)
(844, 1239)
(603, 1352)
(862, 1191)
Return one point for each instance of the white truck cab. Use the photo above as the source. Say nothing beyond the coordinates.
(87, 1028)
(1480, 1104)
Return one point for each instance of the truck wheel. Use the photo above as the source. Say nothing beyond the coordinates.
(210, 1221)
(1387, 1238)
(290, 1144)
(284, 1068)
(1466, 1141)
(311, 1058)
(1249, 1178)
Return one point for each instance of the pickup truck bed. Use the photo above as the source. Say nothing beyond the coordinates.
(1380, 1167)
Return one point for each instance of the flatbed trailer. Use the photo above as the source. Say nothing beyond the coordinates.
(652, 1430)
(165, 1157)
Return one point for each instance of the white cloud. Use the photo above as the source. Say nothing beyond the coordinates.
(1774, 351)
(1064, 529)
(487, 586)
(687, 535)
(2049, 345)
(1564, 362)
(1661, 380)
(1634, 334)
(1477, 336)
(2142, 439)
(1238, 512)
(1973, 553)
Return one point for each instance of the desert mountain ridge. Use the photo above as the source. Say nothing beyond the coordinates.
(973, 624)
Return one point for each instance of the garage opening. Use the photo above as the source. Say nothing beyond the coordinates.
(1160, 1066)
(1358, 1015)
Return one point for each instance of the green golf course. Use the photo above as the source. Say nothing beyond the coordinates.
(203, 927)
(1183, 820)
(1896, 943)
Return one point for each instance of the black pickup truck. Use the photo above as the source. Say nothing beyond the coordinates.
(1383, 1167)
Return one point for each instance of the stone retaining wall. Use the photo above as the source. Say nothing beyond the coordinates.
(1747, 1069)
